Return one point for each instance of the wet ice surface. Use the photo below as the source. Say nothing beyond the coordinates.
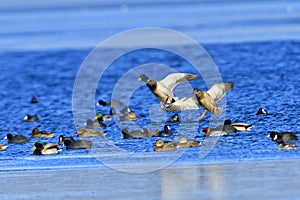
(246, 180)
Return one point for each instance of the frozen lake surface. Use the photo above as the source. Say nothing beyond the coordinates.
(254, 45)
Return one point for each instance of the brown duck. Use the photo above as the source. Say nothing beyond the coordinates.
(206, 99)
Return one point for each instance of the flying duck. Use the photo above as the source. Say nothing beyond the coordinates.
(205, 99)
(163, 89)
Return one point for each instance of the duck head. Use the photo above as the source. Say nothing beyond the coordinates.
(99, 117)
(149, 82)
(101, 102)
(197, 92)
(8, 136)
(159, 143)
(206, 130)
(61, 140)
(37, 145)
(182, 140)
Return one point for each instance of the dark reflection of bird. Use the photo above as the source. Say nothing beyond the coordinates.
(163, 89)
(205, 99)
(283, 146)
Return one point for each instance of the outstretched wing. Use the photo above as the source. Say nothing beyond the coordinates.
(183, 104)
(217, 91)
(173, 79)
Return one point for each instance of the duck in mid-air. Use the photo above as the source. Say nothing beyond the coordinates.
(163, 89)
(205, 99)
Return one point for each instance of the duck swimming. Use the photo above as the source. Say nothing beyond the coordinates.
(129, 117)
(31, 118)
(124, 111)
(82, 132)
(70, 143)
(16, 138)
(215, 133)
(2, 147)
(166, 132)
(175, 118)
(34, 100)
(101, 117)
(144, 133)
(205, 99)
(164, 146)
(36, 133)
(183, 142)
(239, 126)
(45, 149)
(94, 124)
(262, 111)
(283, 136)
(112, 103)
(163, 89)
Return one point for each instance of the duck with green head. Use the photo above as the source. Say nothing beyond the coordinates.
(45, 149)
(101, 117)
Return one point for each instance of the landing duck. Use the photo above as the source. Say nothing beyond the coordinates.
(163, 89)
(205, 99)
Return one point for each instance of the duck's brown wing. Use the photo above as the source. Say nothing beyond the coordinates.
(217, 91)
(185, 103)
(173, 79)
